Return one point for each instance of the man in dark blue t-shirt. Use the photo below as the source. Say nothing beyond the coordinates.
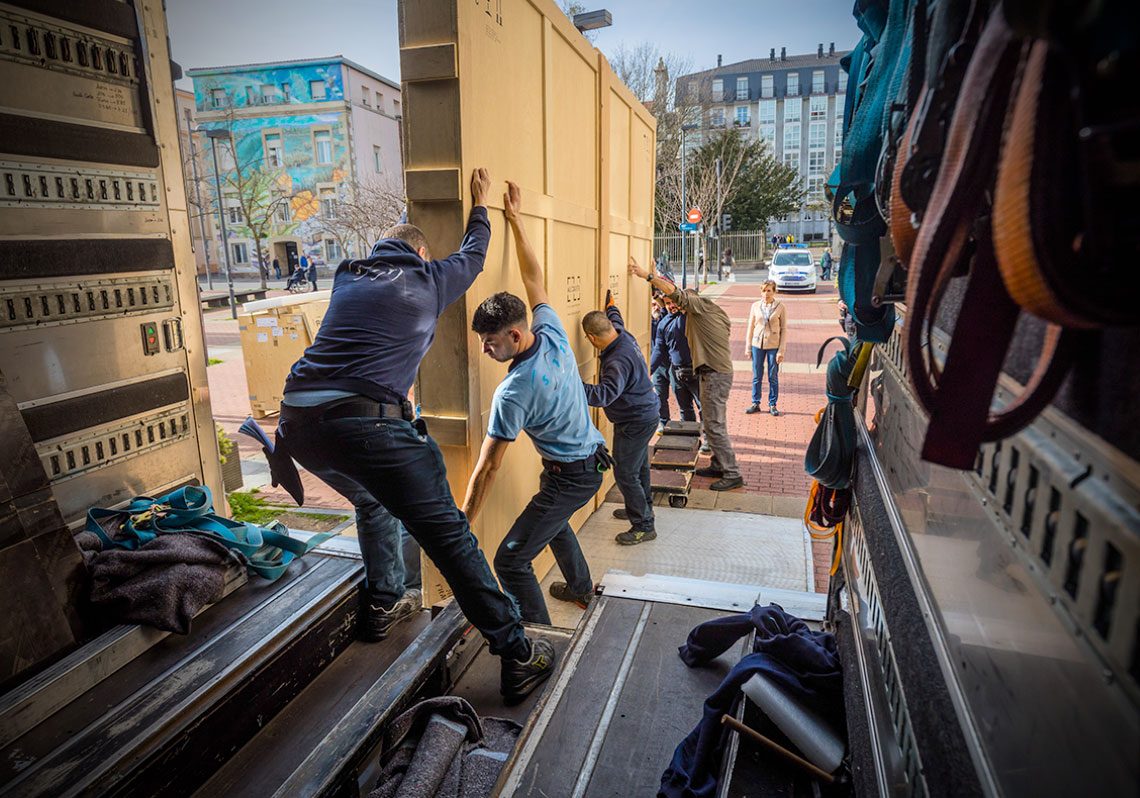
(626, 394)
(345, 414)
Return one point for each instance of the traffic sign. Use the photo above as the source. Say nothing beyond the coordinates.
(695, 216)
(688, 226)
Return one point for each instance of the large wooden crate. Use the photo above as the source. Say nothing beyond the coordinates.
(512, 86)
(274, 335)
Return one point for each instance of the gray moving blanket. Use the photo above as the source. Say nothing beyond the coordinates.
(441, 747)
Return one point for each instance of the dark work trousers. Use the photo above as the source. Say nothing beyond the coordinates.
(661, 384)
(379, 533)
(402, 468)
(687, 389)
(631, 470)
(546, 520)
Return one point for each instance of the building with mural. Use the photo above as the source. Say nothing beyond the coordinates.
(299, 143)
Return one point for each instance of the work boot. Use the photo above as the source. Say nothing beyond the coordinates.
(620, 514)
(708, 471)
(519, 677)
(632, 537)
(376, 622)
(753, 408)
(728, 483)
(561, 591)
(773, 410)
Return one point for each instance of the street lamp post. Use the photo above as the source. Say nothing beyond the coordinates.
(684, 261)
(198, 200)
(213, 135)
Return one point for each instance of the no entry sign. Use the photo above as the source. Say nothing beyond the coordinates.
(695, 216)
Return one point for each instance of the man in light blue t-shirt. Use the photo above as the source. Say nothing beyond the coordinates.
(543, 396)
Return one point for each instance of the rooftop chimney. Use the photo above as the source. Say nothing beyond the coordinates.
(831, 49)
(772, 55)
(819, 53)
(783, 53)
(719, 58)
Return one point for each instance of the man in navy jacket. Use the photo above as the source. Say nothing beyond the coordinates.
(345, 415)
(626, 393)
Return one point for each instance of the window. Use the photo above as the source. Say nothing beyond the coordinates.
(791, 137)
(273, 155)
(842, 81)
(793, 84)
(768, 133)
(317, 89)
(268, 93)
(376, 159)
(219, 96)
(716, 117)
(285, 92)
(840, 101)
(767, 115)
(322, 147)
(233, 214)
(328, 202)
(333, 252)
(364, 92)
(767, 87)
(792, 110)
(792, 159)
(252, 97)
(815, 189)
(396, 107)
(743, 116)
(838, 137)
(742, 88)
(379, 101)
(817, 162)
(817, 135)
(817, 81)
(240, 253)
(817, 107)
(717, 90)
(281, 211)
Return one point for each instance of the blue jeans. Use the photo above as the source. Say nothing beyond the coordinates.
(661, 384)
(402, 468)
(759, 358)
(631, 470)
(379, 535)
(546, 520)
(688, 392)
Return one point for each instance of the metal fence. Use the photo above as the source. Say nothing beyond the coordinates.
(748, 247)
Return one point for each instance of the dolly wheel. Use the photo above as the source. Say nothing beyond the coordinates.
(678, 501)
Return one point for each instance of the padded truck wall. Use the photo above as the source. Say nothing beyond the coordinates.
(512, 86)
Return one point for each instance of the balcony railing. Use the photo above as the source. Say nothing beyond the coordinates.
(742, 94)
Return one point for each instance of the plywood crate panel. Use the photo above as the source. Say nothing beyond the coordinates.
(510, 85)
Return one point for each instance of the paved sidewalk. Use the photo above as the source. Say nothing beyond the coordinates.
(769, 449)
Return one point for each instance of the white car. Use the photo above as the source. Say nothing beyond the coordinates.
(793, 269)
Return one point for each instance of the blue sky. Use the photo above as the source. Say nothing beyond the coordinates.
(220, 32)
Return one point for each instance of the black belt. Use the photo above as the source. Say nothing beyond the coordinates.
(573, 467)
(352, 408)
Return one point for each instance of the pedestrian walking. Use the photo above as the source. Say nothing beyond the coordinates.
(765, 333)
(728, 262)
(346, 415)
(825, 263)
(310, 271)
(542, 395)
(707, 330)
(276, 269)
(625, 393)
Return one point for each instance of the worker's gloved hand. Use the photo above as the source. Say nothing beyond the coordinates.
(604, 461)
(609, 298)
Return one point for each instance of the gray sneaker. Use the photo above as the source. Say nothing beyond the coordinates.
(519, 677)
(376, 622)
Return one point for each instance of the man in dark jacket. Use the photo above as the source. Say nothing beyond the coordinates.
(346, 413)
(679, 361)
(627, 395)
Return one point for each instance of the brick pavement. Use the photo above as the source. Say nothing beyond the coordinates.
(769, 449)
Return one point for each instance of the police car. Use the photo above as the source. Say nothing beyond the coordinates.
(793, 268)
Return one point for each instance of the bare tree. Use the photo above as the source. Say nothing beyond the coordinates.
(365, 211)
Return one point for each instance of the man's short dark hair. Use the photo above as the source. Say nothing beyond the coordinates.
(596, 323)
(497, 313)
(410, 235)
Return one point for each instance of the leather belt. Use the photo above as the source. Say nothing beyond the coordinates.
(573, 467)
(350, 408)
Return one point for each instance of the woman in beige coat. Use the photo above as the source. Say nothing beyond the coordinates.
(767, 323)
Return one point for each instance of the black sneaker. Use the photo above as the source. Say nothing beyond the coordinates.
(754, 408)
(376, 622)
(518, 678)
(561, 591)
(728, 483)
(632, 537)
(620, 514)
(709, 471)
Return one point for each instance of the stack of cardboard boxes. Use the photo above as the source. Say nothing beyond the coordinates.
(274, 335)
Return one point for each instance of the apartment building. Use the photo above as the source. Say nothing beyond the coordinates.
(793, 103)
(319, 127)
